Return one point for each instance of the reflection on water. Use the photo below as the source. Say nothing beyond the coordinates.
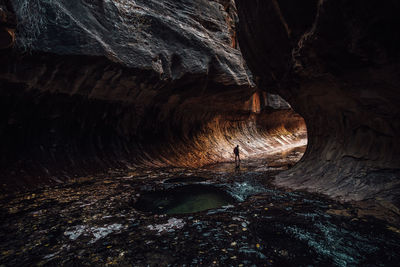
(183, 199)
(198, 202)
(137, 218)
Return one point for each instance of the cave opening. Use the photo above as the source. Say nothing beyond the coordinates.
(266, 129)
(263, 125)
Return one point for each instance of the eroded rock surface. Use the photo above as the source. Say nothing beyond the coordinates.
(170, 38)
(100, 84)
(337, 64)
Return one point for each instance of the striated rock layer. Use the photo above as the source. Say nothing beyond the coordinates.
(337, 64)
(96, 84)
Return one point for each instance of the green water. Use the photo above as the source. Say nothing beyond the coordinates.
(198, 202)
(183, 199)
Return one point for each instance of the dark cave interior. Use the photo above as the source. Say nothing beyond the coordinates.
(118, 121)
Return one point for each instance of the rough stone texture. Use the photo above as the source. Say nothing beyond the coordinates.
(337, 63)
(95, 84)
(171, 38)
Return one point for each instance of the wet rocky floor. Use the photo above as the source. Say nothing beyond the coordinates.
(245, 221)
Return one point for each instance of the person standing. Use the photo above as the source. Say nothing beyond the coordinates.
(237, 156)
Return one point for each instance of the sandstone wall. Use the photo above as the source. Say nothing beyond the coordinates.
(337, 64)
(91, 85)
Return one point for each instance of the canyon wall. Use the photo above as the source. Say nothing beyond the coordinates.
(337, 63)
(91, 85)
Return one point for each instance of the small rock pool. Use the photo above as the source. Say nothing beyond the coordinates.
(183, 199)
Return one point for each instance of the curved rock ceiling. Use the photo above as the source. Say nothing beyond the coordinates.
(109, 106)
(91, 85)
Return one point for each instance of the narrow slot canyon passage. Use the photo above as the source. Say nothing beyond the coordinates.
(119, 119)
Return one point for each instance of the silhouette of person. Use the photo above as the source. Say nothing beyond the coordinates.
(237, 157)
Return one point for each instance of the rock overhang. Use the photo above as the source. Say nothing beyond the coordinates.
(114, 83)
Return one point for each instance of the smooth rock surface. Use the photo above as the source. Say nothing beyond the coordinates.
(337, 64)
